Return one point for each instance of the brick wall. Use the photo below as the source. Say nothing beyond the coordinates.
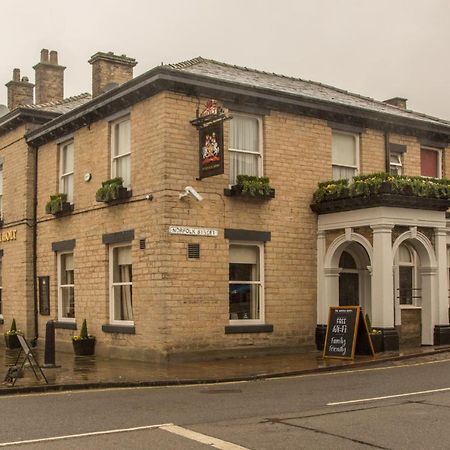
(181, 305)
(17, 275)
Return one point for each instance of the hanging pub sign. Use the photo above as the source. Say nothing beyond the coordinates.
(209, 124)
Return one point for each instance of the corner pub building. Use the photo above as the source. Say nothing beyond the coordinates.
(188, 258)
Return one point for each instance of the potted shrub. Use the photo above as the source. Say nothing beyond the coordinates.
(84, 344)
(11, 340)
(375, 336)
(253, 187)
(111, 190)
(58, 204)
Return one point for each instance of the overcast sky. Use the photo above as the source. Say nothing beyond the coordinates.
(378, 48)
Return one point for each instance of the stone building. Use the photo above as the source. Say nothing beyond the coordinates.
(175, 262)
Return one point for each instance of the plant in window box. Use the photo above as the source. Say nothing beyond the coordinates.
(375, 336)
(84, 344)
(58, 204)
(11, 340)
(250, 186)
(112, 190)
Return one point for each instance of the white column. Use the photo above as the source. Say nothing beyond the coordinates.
(322, 312)
(441, 317)
(382, 279)
(429, 303)
(331, 288)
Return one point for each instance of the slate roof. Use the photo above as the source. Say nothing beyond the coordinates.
(62, 106)
(296, 86)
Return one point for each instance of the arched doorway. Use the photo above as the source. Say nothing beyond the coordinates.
(348, 280)
(408, 293)
(354, 276)
(416, 270)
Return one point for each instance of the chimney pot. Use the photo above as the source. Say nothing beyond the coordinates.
(109, 69)
(53, 57)
(399, 102)
(44, 55)
(16, 75)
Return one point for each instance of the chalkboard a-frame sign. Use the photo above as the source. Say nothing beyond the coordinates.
(347, 333)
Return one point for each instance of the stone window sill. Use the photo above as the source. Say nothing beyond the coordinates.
(124, 329)
(234, 329)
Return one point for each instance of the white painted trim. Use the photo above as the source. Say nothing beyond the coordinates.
(58, 275)
(113, 321)
(330, 255)
(260, 143)
(381, 215)
(261, 283)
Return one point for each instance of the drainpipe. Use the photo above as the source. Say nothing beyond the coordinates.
(387, 152)
(35, 293)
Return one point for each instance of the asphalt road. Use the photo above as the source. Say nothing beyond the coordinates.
(405, 405)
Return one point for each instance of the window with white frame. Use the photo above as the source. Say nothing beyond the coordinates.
(395, 163)
(409, 292)
(121, 284)
(245, 146)
(246, 283)
(66, 170)
(66, 287)
(430, 162)
(121, 150)
(345, 155)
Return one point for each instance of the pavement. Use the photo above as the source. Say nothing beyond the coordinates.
(87, 372)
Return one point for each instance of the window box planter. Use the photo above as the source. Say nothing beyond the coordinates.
(251, 187)
(58, 205)
(112, 190)
(369, 191)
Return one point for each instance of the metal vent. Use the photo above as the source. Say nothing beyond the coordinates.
(194, 251)
(142, 244)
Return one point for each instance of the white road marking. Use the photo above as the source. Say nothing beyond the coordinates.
(384, 397)
(93, 433)
(202, 438)
(370, 369)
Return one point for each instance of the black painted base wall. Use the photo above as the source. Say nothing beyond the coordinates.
(441, 335)
(321, 331)
(391, 340)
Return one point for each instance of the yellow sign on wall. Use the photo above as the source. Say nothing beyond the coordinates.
(10, 235)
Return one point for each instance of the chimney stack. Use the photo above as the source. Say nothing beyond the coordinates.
(49, 78)
(110, 70)
(20, 91)
(399, 102)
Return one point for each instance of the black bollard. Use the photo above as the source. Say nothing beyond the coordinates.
(49, 353)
